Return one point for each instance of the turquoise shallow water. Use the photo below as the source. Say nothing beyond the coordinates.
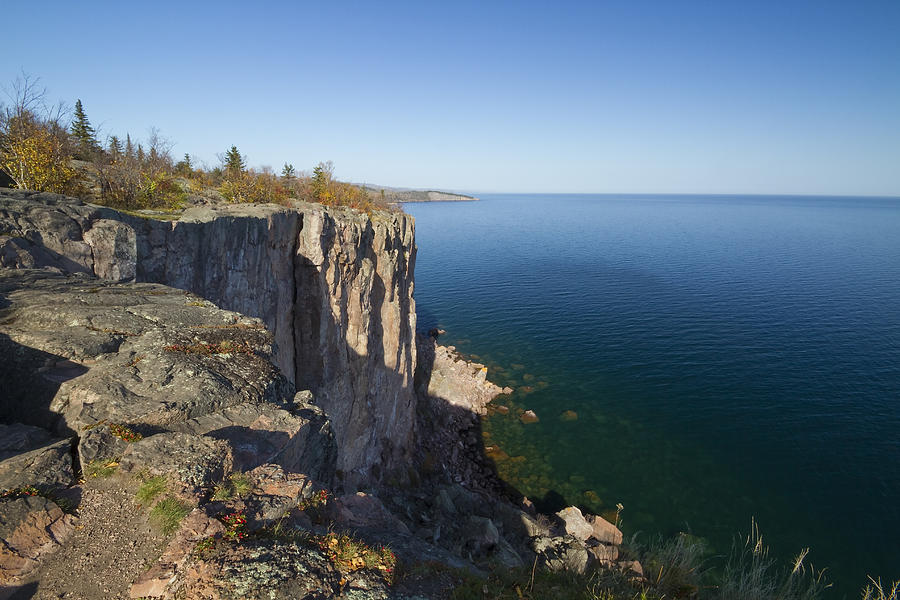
(727, 358)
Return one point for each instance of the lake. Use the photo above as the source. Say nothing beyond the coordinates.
(725, 358)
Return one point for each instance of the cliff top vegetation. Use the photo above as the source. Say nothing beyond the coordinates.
(48, 148)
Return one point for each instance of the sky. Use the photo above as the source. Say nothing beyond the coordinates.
(718, 96)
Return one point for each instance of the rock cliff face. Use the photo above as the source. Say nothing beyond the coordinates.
(333, 286)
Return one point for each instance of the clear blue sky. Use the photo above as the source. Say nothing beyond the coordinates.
(668, 96)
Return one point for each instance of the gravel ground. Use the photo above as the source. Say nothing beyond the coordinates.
(113, 543)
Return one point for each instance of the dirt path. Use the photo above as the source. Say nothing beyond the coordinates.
(113, 543)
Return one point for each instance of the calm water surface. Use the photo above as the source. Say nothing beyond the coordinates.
(727, 358)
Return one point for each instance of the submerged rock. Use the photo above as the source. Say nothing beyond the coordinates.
(529, 417)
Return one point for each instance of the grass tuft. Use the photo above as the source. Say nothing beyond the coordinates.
(235, 485)
(168, 513)
(150, 489)
(751, 574)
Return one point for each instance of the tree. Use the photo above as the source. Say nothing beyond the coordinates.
(184, 167)
(34, 145)
(129, 146)
(114, 147)
(321, 182)
(234, 162)
(288, 171)
(84, 134)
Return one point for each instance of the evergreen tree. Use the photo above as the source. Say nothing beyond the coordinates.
(288, 171)
(234, 162)
(114, 147)
(184, 166)
(84, 134)
(129, 147)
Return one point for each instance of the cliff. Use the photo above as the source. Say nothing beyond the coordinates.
(333, 286)
(154, 444)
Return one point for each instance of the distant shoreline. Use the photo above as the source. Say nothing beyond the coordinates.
(396, 196)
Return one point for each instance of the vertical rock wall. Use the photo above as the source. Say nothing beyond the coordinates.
(334, 286)
(355, 331)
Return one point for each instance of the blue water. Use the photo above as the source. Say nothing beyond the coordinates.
(727, 358)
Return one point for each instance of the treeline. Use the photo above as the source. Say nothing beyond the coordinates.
(46, 149)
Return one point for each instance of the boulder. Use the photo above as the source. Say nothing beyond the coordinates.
(17, 438)
(479, 536)
(574, 523)
(562, 553)
(299, 440)
(49, 466)
(98, 443)
(272, 480)
(193, 460)
(604, 554)
(604, 531)
(30, 528)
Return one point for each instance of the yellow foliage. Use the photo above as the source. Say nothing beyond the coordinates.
(34, 157)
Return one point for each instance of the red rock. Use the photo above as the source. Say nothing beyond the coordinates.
(604, 531)
(30, 528)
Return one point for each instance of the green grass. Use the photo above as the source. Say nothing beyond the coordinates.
(235, 486)
(150, 489)
(168, 513)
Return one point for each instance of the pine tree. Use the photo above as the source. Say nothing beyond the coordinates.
(84, 134)
(234, 162)
(288, 171)
(129, 147)
(114, 147)
(184, 167)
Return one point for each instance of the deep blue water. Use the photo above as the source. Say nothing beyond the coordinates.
(727, 357)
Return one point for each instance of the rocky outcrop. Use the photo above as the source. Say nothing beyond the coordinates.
(445, 375)
(334, 287)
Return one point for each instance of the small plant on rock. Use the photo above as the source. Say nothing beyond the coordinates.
(349, 554)
(317, 500)
(235, 524)
(205, 547)
(125, 433)
(100, 468)
(20, 492)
